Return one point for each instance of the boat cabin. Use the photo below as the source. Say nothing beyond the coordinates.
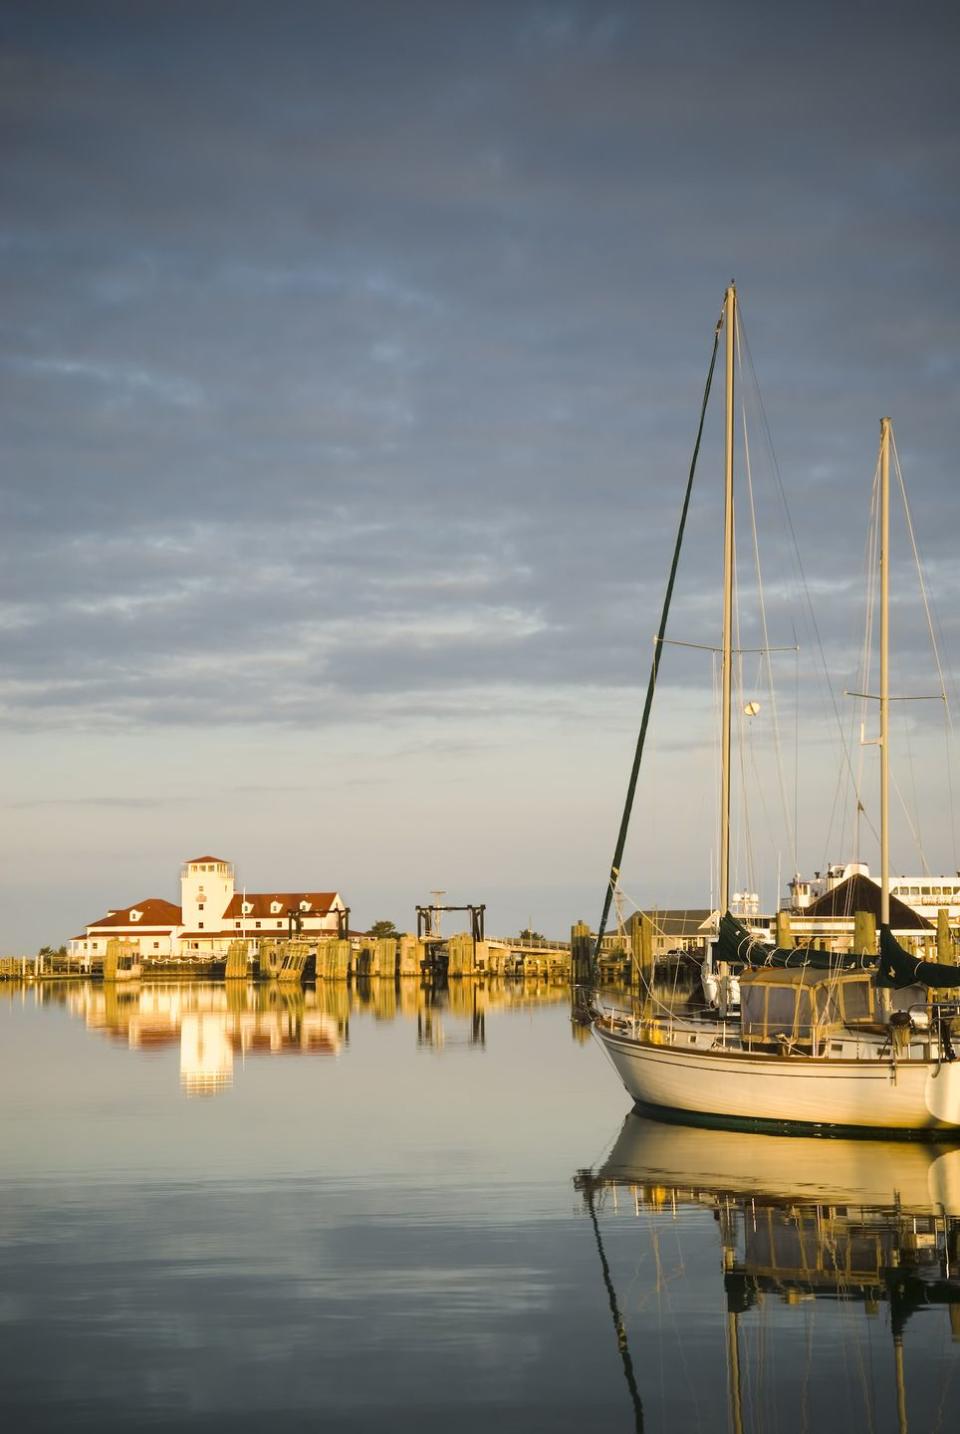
(802, 1007)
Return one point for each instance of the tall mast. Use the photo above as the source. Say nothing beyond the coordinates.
(729, 320)
(884, 671)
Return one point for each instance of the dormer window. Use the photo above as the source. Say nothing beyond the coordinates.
(135, 915)
(246, 907)
(276, 906)
(304, 906)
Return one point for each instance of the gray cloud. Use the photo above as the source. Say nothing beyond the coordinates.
(351, 354)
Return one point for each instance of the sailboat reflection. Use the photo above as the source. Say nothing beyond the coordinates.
(799, 1220)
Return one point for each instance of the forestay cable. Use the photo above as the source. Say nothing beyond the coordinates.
(655, 667)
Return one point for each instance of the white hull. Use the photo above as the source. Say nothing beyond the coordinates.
(731, 1085)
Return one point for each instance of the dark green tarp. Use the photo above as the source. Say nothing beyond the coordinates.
(734, 943)
(895, 968)
(898, 968)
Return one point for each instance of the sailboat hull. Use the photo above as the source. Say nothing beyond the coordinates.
(791, 1092)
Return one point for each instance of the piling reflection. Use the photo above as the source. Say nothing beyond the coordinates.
(215, 1023)
(799, 1220)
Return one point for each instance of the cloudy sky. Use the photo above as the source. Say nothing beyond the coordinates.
(351, 358)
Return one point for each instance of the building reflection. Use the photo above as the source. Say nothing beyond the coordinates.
(211, 1023)
(215, 1023)
(799, 1220)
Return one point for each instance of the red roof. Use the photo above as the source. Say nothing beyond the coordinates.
(261, 901)
(156, 912)
(218, 859)
(212, 935)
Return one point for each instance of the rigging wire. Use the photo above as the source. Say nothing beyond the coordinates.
(872, 590)
(765, 659)
(859, 713)
(655, 667)
(948, 715)
(743, 854)
(808, 602)
(911, 770)
(796, 756)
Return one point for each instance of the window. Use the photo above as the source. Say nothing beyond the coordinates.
(280, 923)
(156, 946)
(246, 907)
(237, 925)
(856, 1000)
(275, 907)
(782, 1012)
(199, 905)
(200, 925)
(304, 906)
(195, 945)
(258, 925)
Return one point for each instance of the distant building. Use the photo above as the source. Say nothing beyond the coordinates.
(211, 914)
(680, 930)
(924, 895)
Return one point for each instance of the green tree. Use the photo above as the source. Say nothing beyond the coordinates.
(383, 928)
(527, 935)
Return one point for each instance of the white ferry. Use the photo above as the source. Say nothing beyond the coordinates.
(925, 894)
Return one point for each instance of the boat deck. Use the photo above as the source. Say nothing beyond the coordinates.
(707, 1032)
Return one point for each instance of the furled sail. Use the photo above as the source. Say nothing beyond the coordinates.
(895, 969)
(898, 968)
(735, 943)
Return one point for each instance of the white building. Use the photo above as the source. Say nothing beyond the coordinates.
(211, 914)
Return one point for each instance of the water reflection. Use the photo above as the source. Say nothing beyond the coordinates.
(864, 1223)
(216, 1023)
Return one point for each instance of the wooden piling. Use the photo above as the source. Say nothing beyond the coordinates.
(237, 968)
(641, 948)
(118, 959)
(581, 951)
(387, 956)
(865, 932)
(408, 956)
(946, 950)
(335, 960)
(293, 963)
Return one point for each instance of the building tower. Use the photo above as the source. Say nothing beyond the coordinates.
(206, 890)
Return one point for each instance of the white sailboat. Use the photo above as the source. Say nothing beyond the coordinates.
(810, 1048)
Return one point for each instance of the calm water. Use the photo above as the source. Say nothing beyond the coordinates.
(362, 1210)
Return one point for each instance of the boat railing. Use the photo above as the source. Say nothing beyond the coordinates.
(938, 1025)
(666, 1027)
